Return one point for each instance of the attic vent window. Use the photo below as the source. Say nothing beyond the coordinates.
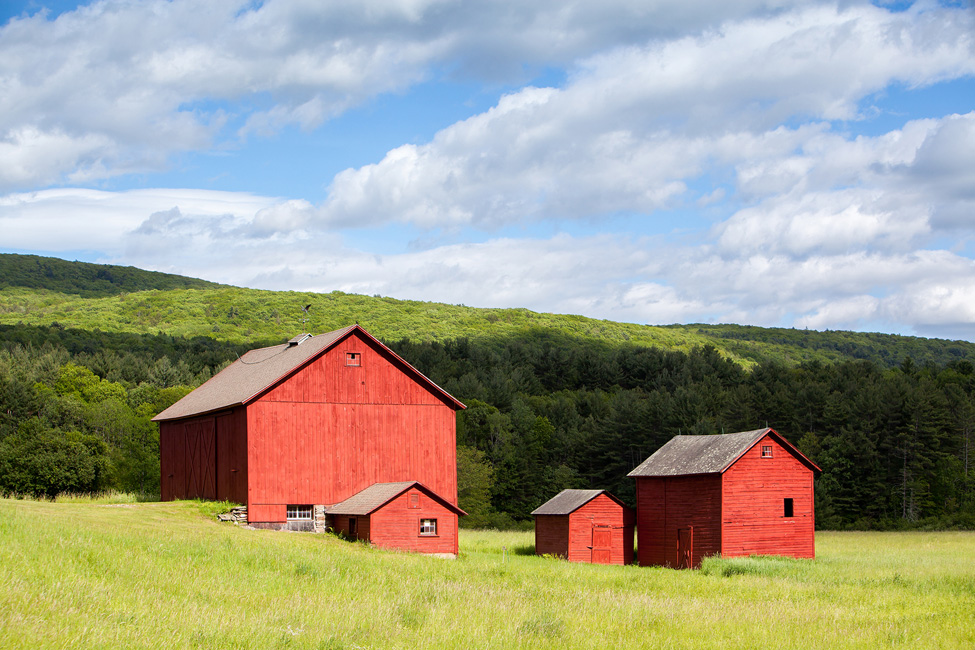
(766, 451)
(353, 358)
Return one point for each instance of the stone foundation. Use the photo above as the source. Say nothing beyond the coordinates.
(319, 522)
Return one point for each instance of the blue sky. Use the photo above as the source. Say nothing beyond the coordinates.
(766, 162)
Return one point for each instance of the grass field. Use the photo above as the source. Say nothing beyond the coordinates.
(85, 574)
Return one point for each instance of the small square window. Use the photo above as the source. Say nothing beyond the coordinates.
(299, 513)
(787, 508)
(428, 526)
(766, 451)
(353, 358)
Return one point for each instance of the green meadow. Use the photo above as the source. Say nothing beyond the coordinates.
(115, 573)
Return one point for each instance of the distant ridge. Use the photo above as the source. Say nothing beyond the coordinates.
(87, 280)
(53, 295)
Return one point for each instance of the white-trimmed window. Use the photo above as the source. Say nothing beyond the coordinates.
(766, 451)
(353, 358)
(299, 513)
(428, 526)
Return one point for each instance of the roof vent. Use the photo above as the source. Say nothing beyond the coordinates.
(298, 340)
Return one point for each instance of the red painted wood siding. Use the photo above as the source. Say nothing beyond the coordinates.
(571, 536)
(601, 511)
(332, 430)
(187, 459)
(753, 492)
(552, 535)
(667, 504)
(204, 458)
(397, 526)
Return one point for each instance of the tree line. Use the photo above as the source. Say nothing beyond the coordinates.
(545, 412)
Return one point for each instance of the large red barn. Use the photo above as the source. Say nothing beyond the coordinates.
(291, 429)
(585, 526)
(748, 493)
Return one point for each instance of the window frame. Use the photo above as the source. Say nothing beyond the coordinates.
(353, 359)
(298, 512)
(766, 451)
(428, 522)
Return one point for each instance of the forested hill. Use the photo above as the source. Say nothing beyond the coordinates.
(553, 401)
(44, 291)
(87, 280)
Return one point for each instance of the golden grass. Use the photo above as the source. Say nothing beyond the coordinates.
(161, 575)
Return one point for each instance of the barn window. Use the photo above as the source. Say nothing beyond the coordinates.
(428, 526)
(787, 508)
(766, 451)
(298, 513)
(414, 500)
(352, 526)
(353, 358)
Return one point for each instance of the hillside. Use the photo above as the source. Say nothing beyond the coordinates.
(45, 291)
(553, 401)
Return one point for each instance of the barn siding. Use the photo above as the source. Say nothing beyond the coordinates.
(601, 511)
(667, 504)
(752, 494)
(331, 430)
(231, 431)
(552, 535)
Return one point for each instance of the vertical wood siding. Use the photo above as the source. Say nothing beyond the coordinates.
(332, 430)
(601, 511)
(552, 535)
(667, 504)
(204, 458)
(753, 492)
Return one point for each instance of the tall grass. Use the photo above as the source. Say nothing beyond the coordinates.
(163, 575)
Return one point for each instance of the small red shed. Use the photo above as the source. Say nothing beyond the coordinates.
(748, 493)
(405, 515)
(585, 526)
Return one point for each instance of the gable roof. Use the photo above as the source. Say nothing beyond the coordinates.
(379, 494)
(684, 455)
(568, 501)
(260, 369)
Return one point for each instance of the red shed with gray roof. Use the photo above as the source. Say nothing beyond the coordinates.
(748, 493)
(404, 515)
(585, 526)
(309, 423)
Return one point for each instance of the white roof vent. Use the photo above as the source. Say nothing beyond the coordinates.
(298, 340)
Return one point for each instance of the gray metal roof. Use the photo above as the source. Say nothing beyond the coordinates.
(702, 454)
(260, 369)
(568, 501)
(379, 494)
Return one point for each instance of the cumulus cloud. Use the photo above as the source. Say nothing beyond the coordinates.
(634, 124)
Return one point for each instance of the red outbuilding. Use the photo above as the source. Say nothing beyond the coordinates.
(294, 428)
(585, 526)
(405, 516)
(748, 493)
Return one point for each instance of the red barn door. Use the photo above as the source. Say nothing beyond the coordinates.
(685, 547)
(200, 460)
(602, 543)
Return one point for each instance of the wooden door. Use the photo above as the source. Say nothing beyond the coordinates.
(602, 544)
(685, 547)
(200, 460)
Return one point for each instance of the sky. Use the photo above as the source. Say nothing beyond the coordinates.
(763, 162)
